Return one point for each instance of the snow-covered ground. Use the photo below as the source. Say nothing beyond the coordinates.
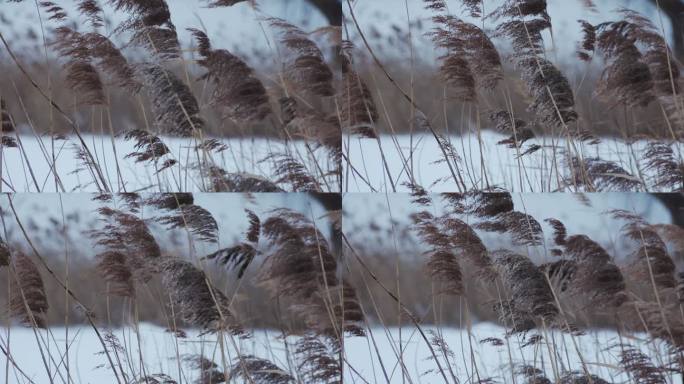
(242, 155)
(159, 350)
(482, 162)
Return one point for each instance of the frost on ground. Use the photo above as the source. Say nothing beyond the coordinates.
(483, 351)
(479, 163)
(30, 169)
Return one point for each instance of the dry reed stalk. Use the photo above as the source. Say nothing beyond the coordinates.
(28, 302)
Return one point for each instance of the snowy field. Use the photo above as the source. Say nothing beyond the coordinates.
(33, 173)
(160, 348)
(481, 162)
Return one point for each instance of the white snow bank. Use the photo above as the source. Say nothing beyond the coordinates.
(159, 350)
(242, 155)
(482, 162)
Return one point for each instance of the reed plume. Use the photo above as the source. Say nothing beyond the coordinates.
(529, 289)
(669, 172)
(483, 204)
(560, 233)
(259, 371)
(174, 106)
(358, 110)
(471, 61)
(317, 360)
(588, 43)
(640, 366)
(56, 12)
(82, 76)
(632, 76)
(196, 219)
(651, 260)
(553, 99)
(601, 175)
(469, 246)
(6, 118)
(148, 147)
(200, 304)
(92, 11)
(289, 170)
(170, 201)
(596, 275)
(97, 49)
(238, 92)
(301, 267)
(129, 235)
(310, 123)
(150, 22)
(241, 255)
(307, 68)
(442, 263)
(5, 254)
(222, 181)
(114, 267)
(209, 372)
(28, 302)
(225, 3)
(300, 262)
(524, 229)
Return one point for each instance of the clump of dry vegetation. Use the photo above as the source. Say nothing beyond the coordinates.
(499, 64)
(143, 60)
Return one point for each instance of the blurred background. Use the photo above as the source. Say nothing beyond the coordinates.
(58, 227)
(397, 35)
(380, 230)
(240, 28)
